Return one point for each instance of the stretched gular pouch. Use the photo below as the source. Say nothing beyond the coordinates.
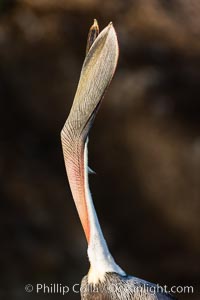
(97, 71)
(105, 279)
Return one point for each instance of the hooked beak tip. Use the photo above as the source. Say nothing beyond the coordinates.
(95, 23)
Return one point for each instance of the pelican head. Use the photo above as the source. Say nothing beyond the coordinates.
(105, 279)
(96, 74)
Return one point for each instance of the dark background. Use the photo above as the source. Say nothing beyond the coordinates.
(145, 144)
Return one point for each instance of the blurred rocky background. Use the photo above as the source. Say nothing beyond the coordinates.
(144, 147)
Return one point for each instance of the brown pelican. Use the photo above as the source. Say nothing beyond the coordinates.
(105, 279)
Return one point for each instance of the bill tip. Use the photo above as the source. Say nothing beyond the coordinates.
(95, 23)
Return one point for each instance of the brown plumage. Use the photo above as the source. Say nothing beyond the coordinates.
(120, 287)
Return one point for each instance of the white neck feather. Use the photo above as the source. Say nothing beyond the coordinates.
(101, 261)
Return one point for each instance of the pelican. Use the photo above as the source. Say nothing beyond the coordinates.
(105, 279)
